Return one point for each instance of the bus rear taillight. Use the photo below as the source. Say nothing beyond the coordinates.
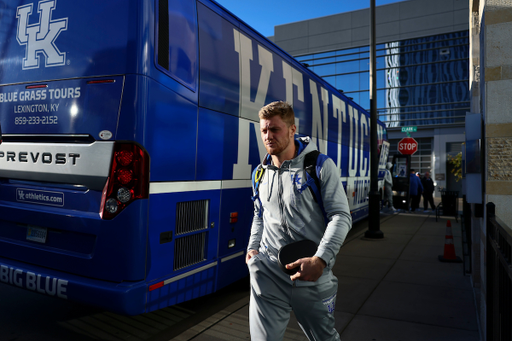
(128, 180)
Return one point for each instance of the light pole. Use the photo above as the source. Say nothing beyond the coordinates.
(374, 196)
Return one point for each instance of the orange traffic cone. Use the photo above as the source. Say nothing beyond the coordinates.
(449, 248)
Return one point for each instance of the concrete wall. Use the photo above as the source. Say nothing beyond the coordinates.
(498, 105)
(402, 20)
(491, 96)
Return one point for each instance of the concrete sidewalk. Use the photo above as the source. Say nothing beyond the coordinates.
(390, 289)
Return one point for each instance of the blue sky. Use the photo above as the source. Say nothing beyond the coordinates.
(263, 15)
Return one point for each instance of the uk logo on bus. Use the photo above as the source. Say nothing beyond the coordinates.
(39, 39)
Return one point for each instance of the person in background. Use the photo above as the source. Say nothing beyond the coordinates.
(415, 190)
(428, 191)
(388, 188)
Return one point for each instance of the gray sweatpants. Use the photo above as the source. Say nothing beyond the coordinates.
(274, 296)
(388, 197)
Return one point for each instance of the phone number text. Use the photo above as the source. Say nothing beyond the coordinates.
(22, 120)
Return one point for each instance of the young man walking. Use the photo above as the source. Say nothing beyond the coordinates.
(285, 212)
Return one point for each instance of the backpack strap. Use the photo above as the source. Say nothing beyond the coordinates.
(310, 167)
(313, 162)
(257, 175)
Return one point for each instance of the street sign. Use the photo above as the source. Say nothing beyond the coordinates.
(409, 129)
(407, 146)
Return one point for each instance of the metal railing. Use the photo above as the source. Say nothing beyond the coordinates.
(499, 278)
(465, 224)
(449, 204)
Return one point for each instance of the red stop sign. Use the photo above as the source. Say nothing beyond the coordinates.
(407, 146)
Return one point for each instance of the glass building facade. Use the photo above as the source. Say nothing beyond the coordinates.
(421, 81)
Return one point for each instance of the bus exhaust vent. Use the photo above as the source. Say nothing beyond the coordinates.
(191, 216)
(189, 250)
(191, 235)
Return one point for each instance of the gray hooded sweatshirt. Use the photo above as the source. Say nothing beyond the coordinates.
(287, 212)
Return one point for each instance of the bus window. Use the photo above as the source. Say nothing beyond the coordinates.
(177, 27)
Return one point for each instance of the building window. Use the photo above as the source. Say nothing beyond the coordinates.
(421, 81)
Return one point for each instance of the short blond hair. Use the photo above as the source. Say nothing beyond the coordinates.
(278, 108)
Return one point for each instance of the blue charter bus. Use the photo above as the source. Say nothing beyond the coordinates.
(130, 131)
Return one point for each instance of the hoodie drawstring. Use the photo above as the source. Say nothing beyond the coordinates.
(270, 188)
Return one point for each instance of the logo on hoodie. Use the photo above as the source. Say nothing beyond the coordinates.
(39, 39)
